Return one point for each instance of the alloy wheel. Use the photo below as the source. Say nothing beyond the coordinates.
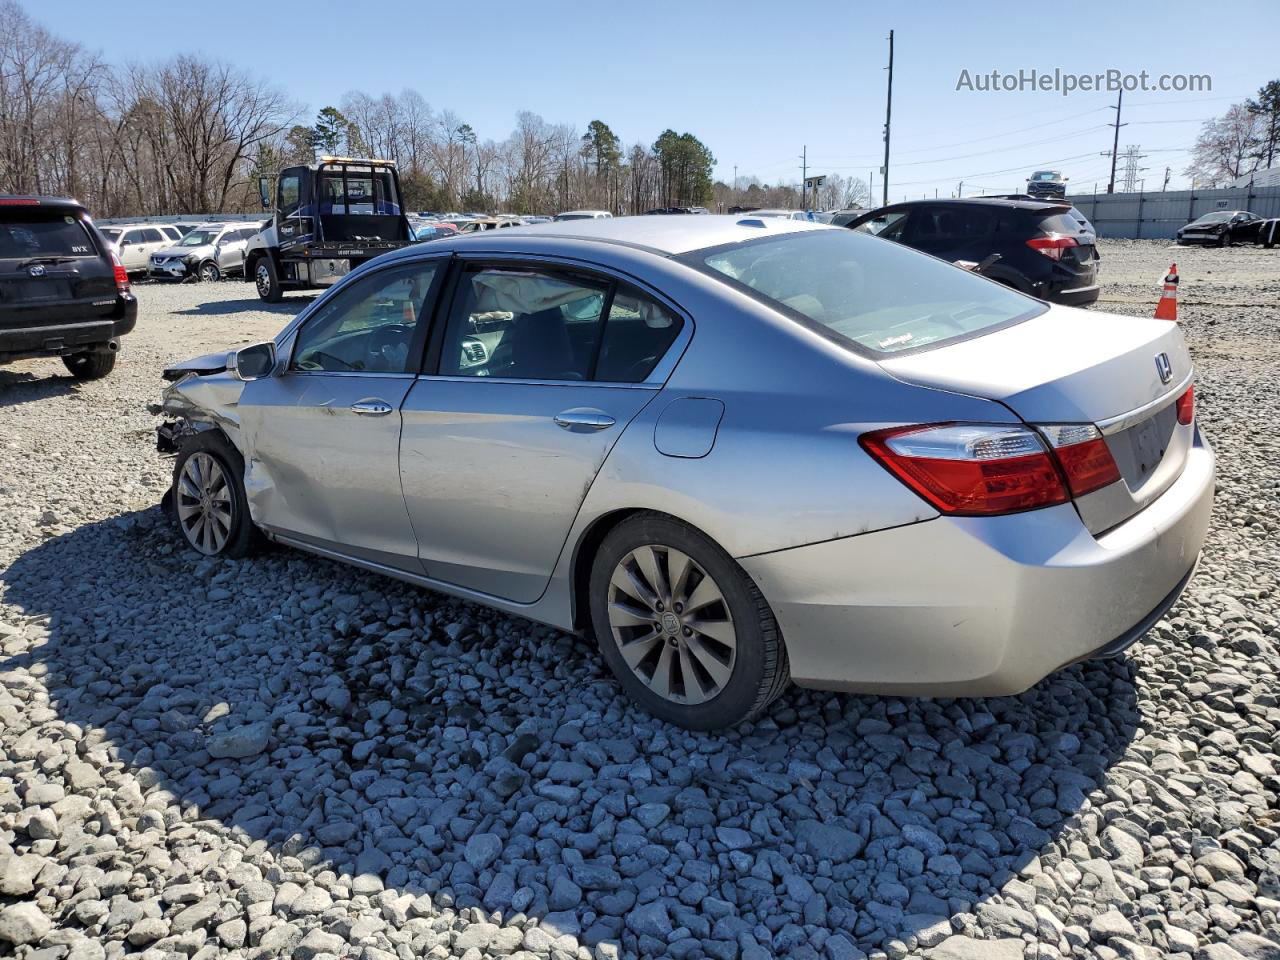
(204, 503)
(209, 273)
(262, 276)
(672, 624)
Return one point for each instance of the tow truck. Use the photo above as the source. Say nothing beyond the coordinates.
(328, 217)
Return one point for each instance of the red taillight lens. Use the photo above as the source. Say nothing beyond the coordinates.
(122, 275)
(1051, 245)
(1084, 456)
(19, 202)
(1186, 406)
(970, 469)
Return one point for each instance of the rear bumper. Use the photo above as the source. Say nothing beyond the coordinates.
(59, 339)
(1074, 296)
(964, 606)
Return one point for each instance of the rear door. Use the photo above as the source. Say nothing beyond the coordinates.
(539, 369)
(951, 231)
(134, 252)
(52, 269)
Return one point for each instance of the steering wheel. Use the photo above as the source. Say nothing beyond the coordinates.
(389, 335)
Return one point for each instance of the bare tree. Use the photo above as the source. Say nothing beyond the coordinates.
(1227, 147)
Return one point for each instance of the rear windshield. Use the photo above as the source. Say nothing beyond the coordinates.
(25, 235)
(879, 295)
(1071, 222)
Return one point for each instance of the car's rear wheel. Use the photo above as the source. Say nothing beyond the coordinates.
(208, 497)
(90, 364)
(209, 272)
(267, 281)
(682, 627)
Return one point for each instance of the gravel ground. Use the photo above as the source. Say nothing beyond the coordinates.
(286, 757)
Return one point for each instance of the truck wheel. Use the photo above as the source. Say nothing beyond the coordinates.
(91, 364)
(267, 281)
(209, 272)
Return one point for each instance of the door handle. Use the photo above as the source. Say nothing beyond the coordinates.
(371, 408)
(584, 420)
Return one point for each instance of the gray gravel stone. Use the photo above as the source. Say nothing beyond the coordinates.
(295, 750)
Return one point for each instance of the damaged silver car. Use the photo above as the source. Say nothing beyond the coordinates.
(738, 451)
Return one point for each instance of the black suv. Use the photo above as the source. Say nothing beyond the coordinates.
(1045, 248)
(63, 293)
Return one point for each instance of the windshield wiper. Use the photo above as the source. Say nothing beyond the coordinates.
(34, 260)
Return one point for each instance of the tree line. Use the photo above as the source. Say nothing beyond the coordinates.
(191, 135)
(1243, 140)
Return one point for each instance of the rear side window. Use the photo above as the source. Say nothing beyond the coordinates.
(882, 297)
(25, 235)
(152, 235)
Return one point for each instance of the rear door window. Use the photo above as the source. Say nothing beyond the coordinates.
(637, 335)
(152, 235)
(948, 231)
(26, 235)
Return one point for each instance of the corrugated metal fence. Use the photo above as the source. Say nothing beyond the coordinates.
(1159, 215)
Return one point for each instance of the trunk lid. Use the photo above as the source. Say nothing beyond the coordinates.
(1076, 366)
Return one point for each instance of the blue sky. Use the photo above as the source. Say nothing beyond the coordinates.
(756, 81)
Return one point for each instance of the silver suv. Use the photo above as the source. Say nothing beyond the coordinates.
(208, 252)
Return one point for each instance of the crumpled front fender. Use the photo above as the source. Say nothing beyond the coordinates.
(211, 399)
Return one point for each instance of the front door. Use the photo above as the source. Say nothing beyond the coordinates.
(539, 372)
(322, 436)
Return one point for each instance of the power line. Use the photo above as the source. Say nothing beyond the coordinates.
(991, 173)
(982, 153)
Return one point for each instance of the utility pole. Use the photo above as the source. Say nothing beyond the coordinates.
(871, 190)
(960, 189)
(888, 114)
(1115, 143)
(804, 173)
(1166, 180)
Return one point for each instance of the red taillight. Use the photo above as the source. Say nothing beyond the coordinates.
(18, 202)
(1051, 245)
(970, 469)
(1186, 406)
(122, 275)
(1084, 456)
(987, 469)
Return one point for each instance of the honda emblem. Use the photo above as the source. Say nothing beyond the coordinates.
(36, 270)
(1164, 367)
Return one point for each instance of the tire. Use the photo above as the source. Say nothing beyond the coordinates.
(91, 364)
(208, 499)
(209, 272)
(745, 648)
(267, 280)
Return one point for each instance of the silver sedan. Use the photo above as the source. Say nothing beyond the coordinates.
(738, 451)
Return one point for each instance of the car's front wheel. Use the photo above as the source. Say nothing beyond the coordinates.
(209, 272)
(208, 497)
(682, 627)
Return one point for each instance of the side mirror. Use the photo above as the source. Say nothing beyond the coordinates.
(264, 192)
(253, 363)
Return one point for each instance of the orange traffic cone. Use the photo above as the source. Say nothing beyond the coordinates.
(1167, 308)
